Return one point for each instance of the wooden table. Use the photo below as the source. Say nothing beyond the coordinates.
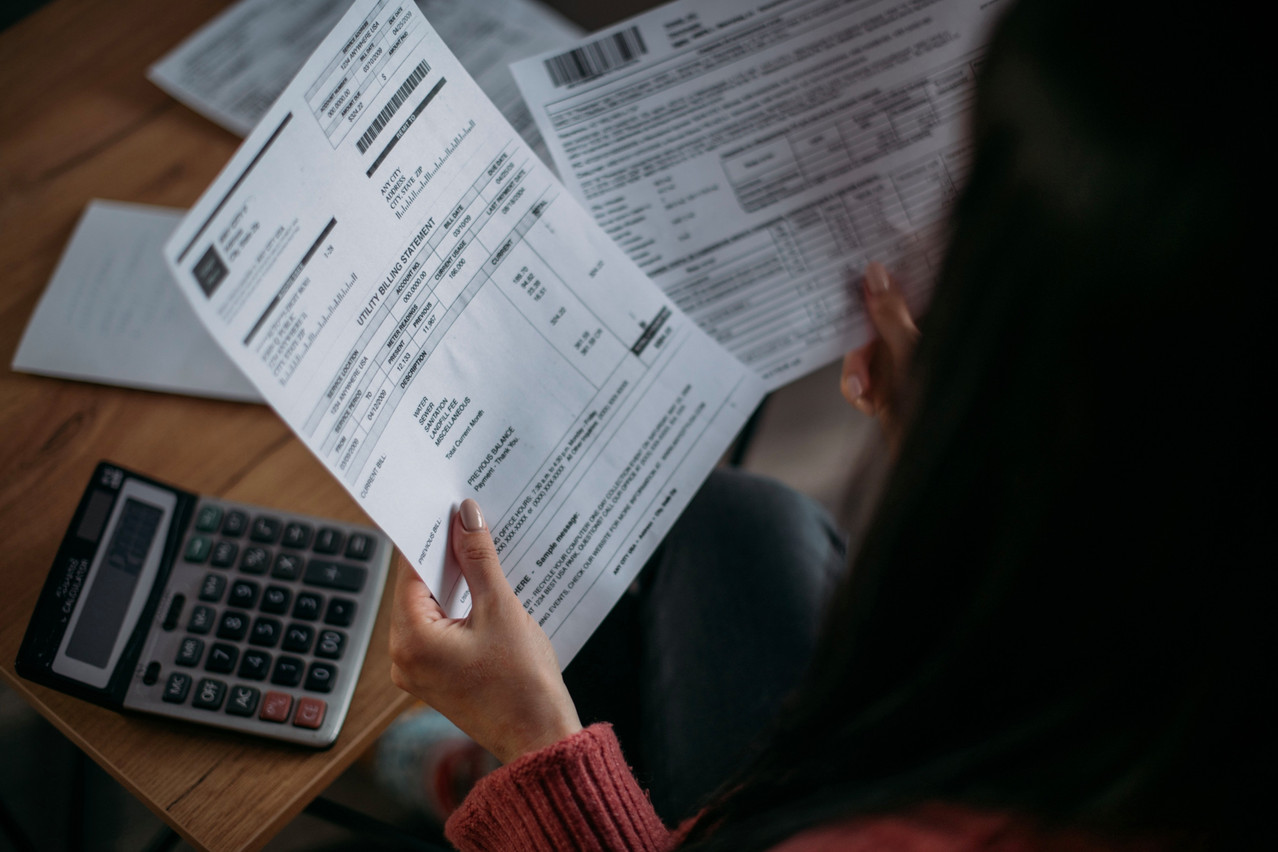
(80, 121)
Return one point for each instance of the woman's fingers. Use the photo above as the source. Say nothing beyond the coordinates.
(415, 617)
(494, 673)
(411, 591)
(477, 557)
(874, 374)
(890, 313)
(857, 382)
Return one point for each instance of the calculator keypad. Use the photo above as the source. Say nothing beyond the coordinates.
(329, 541)
(297, 535)
(263, 631)
(212, 588)
(233, 625)
(243, 701)
(243, 594)
(256, 560)
(307, 606)
(310, 713)
(222, 657)
(177, 687)
(276, 707)
(256, 665)
(276, 599)
(208, 518)
(209, 694)
(224, 553)
(235, 524)
(288, 566)
(265, 529)
(201, 620)
(288, 671)
(189, 652)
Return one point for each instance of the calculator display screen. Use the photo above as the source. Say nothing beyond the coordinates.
(108, 598)
(95, 515)
(119, 580)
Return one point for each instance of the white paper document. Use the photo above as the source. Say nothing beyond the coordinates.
(112, 314)
(234, 67)
(437, 318)
(753, 155)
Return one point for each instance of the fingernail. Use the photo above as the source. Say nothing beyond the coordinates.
(853, 387)
(472, 519)
(876, 277)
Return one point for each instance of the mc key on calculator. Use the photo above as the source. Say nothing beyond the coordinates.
(206, 610)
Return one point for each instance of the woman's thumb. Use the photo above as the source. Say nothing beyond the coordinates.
(889, 312)
(475, 553)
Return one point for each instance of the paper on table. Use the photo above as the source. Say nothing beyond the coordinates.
(233, 68)
(112, 314)
(423, 303)
(752, 156)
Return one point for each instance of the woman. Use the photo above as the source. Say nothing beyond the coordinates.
(1051, 634)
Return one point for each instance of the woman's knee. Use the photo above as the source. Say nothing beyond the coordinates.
(741, 527)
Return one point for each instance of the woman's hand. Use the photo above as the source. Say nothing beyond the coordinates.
(494, 672)
(874, 375)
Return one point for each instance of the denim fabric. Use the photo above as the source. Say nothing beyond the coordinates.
(695, 661)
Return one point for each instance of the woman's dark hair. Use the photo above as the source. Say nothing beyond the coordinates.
(1057, 607)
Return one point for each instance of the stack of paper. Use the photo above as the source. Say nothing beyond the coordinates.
(413, 291)
(753, 157)
(111, 313)
(393, 265)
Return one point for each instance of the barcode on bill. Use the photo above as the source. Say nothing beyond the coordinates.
(597, 58)
(406, 89)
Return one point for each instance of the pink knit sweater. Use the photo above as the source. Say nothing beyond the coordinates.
(580, 794)
(577, 794)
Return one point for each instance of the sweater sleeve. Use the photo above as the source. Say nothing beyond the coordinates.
(576, 794)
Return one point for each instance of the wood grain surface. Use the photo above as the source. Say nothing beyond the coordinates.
(81, 121)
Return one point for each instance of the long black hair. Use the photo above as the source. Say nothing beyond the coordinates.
(1057, 608)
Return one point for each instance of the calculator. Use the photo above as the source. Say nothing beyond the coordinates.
(207, 610)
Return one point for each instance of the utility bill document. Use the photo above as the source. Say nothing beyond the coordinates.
(437, 318)
(752, 155)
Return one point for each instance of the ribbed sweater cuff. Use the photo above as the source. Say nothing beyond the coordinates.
(576, 794)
